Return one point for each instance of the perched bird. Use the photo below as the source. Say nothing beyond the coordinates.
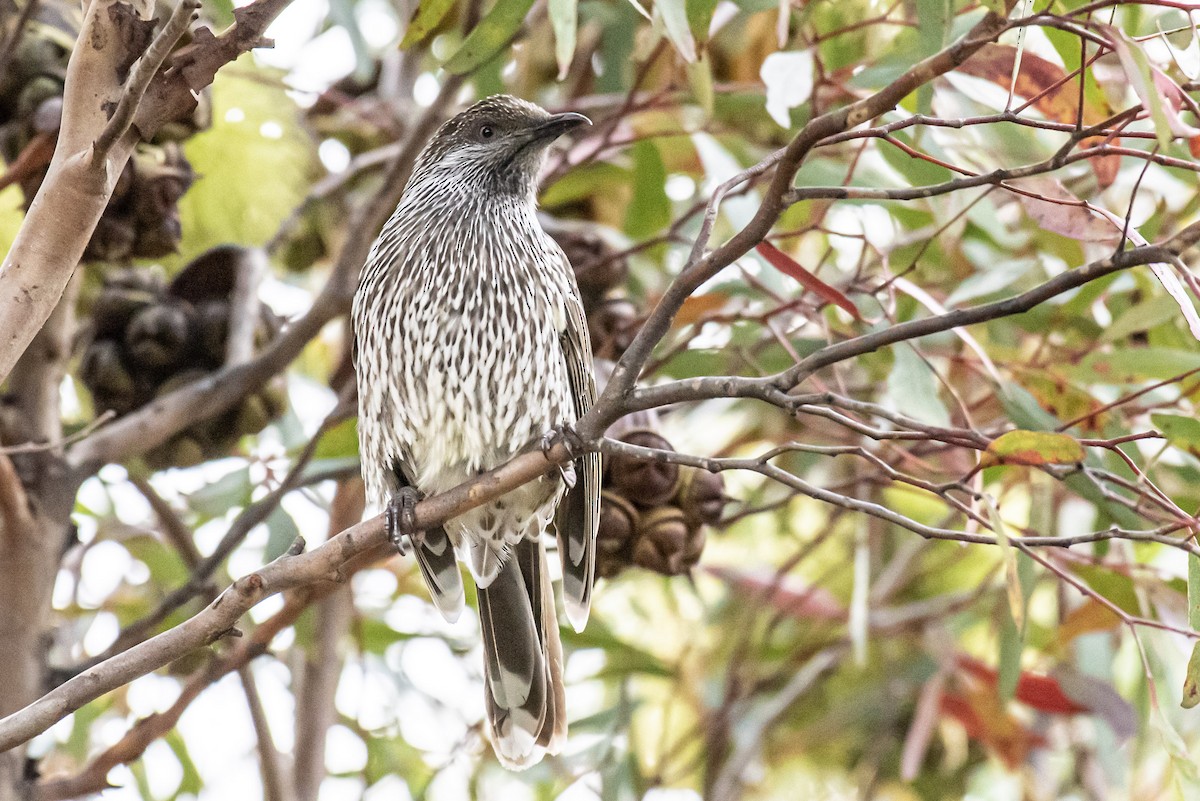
(471, 347)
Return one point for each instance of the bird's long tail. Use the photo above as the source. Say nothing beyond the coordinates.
(522, 659)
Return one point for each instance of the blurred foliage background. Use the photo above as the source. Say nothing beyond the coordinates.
(749, 640)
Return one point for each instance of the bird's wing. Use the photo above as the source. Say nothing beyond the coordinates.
(578, 515)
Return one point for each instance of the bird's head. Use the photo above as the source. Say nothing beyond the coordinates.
(496, 146)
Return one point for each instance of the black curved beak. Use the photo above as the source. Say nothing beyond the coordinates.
(558, 125)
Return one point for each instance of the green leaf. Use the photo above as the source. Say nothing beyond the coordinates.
(1009, 660)
(699, 14)
(1193, 592)
(913, 388)
(253, 164)
(1129, 366)
(564, 20)
(1035, 448)
(700, 77)
(490, 36)
(339, 442)
(649, 209)
(1183, 432)
(1191, 680)
(674, 18)
(230, 491)
(429, 14)
(282, 531)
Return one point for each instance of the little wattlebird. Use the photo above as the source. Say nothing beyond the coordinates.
(471, 347)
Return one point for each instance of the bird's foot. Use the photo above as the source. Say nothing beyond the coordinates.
(566, 435)
(401, 516)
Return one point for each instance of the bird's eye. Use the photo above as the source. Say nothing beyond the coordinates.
(486, 132)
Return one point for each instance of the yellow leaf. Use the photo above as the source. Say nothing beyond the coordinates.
(1034, 448)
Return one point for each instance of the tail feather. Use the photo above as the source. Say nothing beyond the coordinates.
(575, 522)
(522, 659)
(435, 556)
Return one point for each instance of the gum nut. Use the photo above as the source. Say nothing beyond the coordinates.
(103, 370)
(702, 496)
(213, 317)
(618, 521)
(661, 540)
(648, 483)
(115, 306)
(158, 336)
(252, 416)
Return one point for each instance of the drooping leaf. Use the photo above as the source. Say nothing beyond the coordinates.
(1161, 97)
(674, 18)
(649, 209)
(1035, 448)
(491, 35)
(564, 21)
(912, 388)
(1057, 209)
(282, 531)
(1191, 680)
(230, 491)
(1194, 591)
(788, 266)
(429, 14)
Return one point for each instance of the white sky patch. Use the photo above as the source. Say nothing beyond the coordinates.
(719, 166)
(102, 633)
(788, 77)
(334, 156)
(271, 130)
(335, 788)
(345, 752)
(235, 115)
(680, 187)
(103, 568)
(377, 21)
(151, 693)
(425, 89)
(163, 771)
(436, 671)
(389, 788)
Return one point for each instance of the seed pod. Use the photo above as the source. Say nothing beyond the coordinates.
(618, 522)
(158, 337)
(645, 482)
(112, 239)
(181, 451)
(275, 396)
(701, 496)
(613, 325)
(213, 321)
(115, 306)
(104, 374)
(252, 415)
(661, 542)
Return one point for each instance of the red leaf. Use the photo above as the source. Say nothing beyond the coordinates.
(1033, 689)
(788, 266)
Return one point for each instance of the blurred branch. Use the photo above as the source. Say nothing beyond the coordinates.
(274, 778)
(244, 306)
(318, 680)
(10, 44)
(727, 786)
